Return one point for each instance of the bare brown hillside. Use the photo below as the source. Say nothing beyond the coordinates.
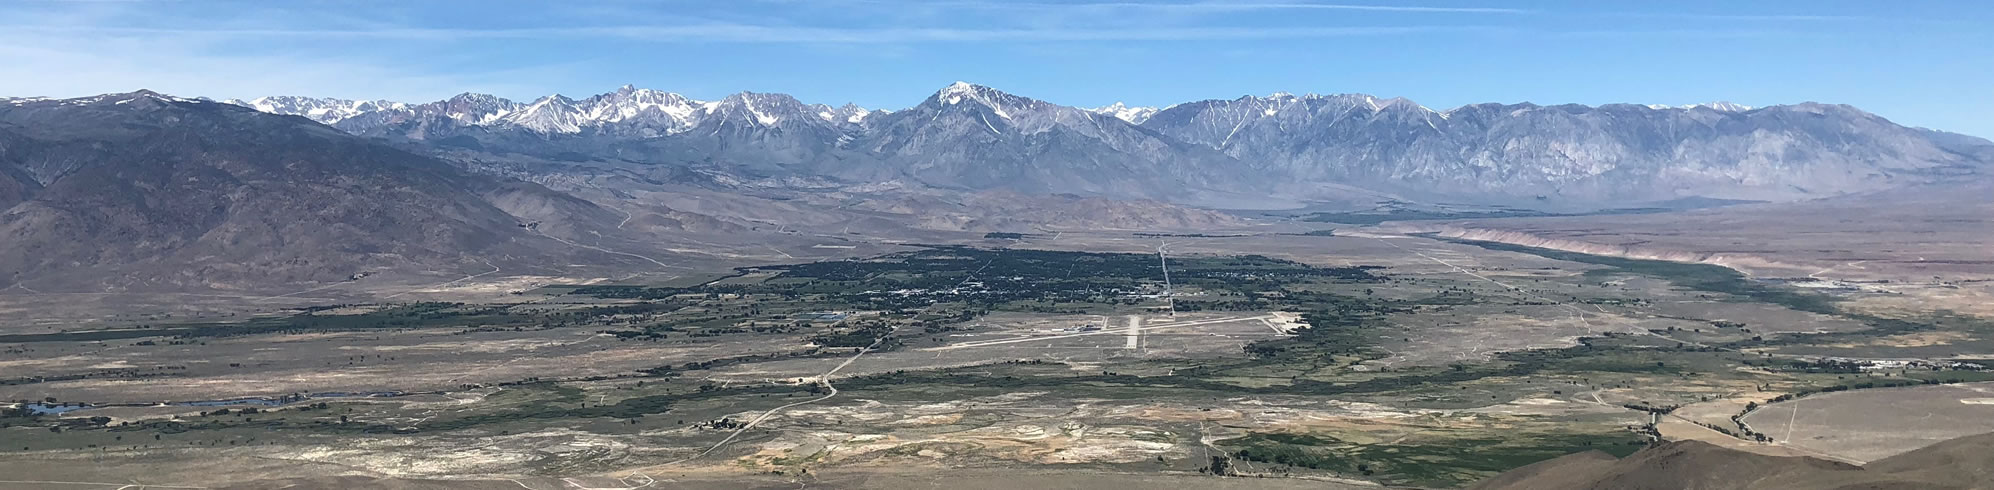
(1963, 463)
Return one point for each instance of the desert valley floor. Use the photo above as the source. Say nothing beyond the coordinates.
(1339, 356)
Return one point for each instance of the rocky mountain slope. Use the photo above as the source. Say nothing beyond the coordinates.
(1611, 152)
(189, 193)
(1282, 147)
(147, 191)
(627, 112)
(975, 137)
(1134, 115)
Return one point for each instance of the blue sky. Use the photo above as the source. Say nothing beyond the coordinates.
(1925, 63)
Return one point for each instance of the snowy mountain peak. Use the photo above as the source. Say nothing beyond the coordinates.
(550, 114)
(665, 111)
(849, 114)
(958, 92)
(323, 110)
(1134, 115)
(1722, 106)
(1001, 104)
(471, 108)
(959, 89)
(1719, 106)
(475, 98)
(1400, 103)
(756, 108)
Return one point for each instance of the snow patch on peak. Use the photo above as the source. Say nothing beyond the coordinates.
(631, 103)
(958, 92)
(550, 114)
(323, 110)
(1722, 106)
(849, 113)
(959, 89)
(760, 117)
(1719, 106)
(1118, 110)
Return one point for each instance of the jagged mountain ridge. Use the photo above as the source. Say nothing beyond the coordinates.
(627, 111)
(1608, 152)
(1134, 115)
(324, 110)
(1296, 147)
(977, 137)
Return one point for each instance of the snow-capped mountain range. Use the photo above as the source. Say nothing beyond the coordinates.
(1719, 106)
(972, 136)
(670, 113)
(628, 109)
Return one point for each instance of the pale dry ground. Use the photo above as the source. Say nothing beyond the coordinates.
(409, 360)
(883, 479)
(279, 474)
(1475, 332)
(1013, 336)
(24, 312)
(1052, 433)
(1926, 249)
(1867, 425)
(1682, 425)
(984, 430)
(1056, 429)
(883, 430)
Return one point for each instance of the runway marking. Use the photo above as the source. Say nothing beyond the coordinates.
(1161, 258)
(1151, 327)
(1856, 264)
(778, 250)
(1134, 332)
(320, 288)
(608, 251)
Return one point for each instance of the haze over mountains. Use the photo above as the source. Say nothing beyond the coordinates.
(174, 192)
(1246, 152)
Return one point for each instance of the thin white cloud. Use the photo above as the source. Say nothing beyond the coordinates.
(1739, 17)
(39, 65)
(744, 33)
